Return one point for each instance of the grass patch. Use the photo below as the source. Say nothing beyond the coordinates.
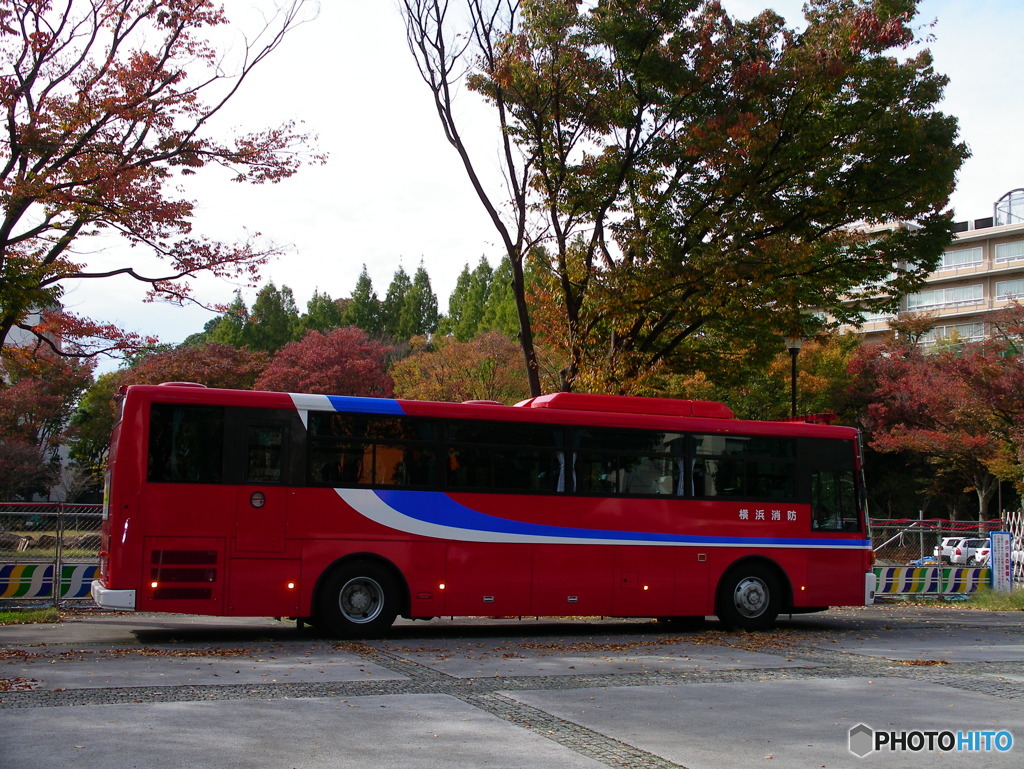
(29, 616)
(986, 598)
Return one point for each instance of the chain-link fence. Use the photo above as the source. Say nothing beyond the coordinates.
(40, 540)
(938, 556)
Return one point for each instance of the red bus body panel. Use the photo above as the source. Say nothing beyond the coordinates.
(210, 549)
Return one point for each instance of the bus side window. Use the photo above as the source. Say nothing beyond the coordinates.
(263, 454)
(186, 444)
(833, 500)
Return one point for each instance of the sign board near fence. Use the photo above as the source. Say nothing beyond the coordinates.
(1002, 561)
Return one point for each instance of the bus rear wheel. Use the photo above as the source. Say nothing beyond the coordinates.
(748, 598)
(358, 600)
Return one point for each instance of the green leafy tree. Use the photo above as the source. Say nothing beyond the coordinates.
(364, 309)
(687, 170)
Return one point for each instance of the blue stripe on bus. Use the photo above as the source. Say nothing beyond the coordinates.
(438, 509)
(365, 405)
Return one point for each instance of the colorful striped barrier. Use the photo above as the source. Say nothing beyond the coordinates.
(35, 580)
(930, 580)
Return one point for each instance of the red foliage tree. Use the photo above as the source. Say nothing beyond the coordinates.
(959, 408)
(38, 393)
(345, 361)
(108, 104)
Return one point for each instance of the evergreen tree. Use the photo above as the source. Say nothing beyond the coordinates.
(394, 304)
(499, 312)
(419, 310)
(229, 328)
(273, 321)
(468, 302)
(322, 314)
(364, 309)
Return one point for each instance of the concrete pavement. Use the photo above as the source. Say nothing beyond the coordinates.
(154, 691)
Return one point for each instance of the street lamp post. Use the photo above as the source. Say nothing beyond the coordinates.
(793, 344)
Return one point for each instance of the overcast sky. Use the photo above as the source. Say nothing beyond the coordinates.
(393, 192)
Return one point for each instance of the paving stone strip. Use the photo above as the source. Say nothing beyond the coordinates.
(492, 694)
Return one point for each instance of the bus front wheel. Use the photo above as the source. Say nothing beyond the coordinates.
(358, 600)
(748, 598)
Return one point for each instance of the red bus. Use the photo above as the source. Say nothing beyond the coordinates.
(348, 512)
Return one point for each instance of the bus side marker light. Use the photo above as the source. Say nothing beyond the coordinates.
(646, 587)
(154, 585)
(441, 586)
(291, 585)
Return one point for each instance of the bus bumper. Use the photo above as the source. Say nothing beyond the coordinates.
(118, 600)
(870, 585)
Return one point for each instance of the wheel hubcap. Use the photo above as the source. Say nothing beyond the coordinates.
(361, 599)
(750, 597)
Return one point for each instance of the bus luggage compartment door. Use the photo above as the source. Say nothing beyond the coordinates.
(260, 519)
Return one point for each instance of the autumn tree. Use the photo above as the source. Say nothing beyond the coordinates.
(38, 392)
(687, 170)
(109, 105)
(486, 367)
(345, 361)
(932, 405)
(756, 388)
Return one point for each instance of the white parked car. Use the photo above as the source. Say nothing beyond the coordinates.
(966, 552)
(945, 549)
(981, 556)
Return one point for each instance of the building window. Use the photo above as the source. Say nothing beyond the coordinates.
(1008, 252)
(963, 257)
(961, 332)
(945, 297)
(1010, 289)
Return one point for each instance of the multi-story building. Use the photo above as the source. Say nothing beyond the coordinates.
(981, 272)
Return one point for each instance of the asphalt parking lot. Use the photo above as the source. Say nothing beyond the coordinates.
(155, 691)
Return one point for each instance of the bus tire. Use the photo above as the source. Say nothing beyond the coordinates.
(748, 598)
(357, 600)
